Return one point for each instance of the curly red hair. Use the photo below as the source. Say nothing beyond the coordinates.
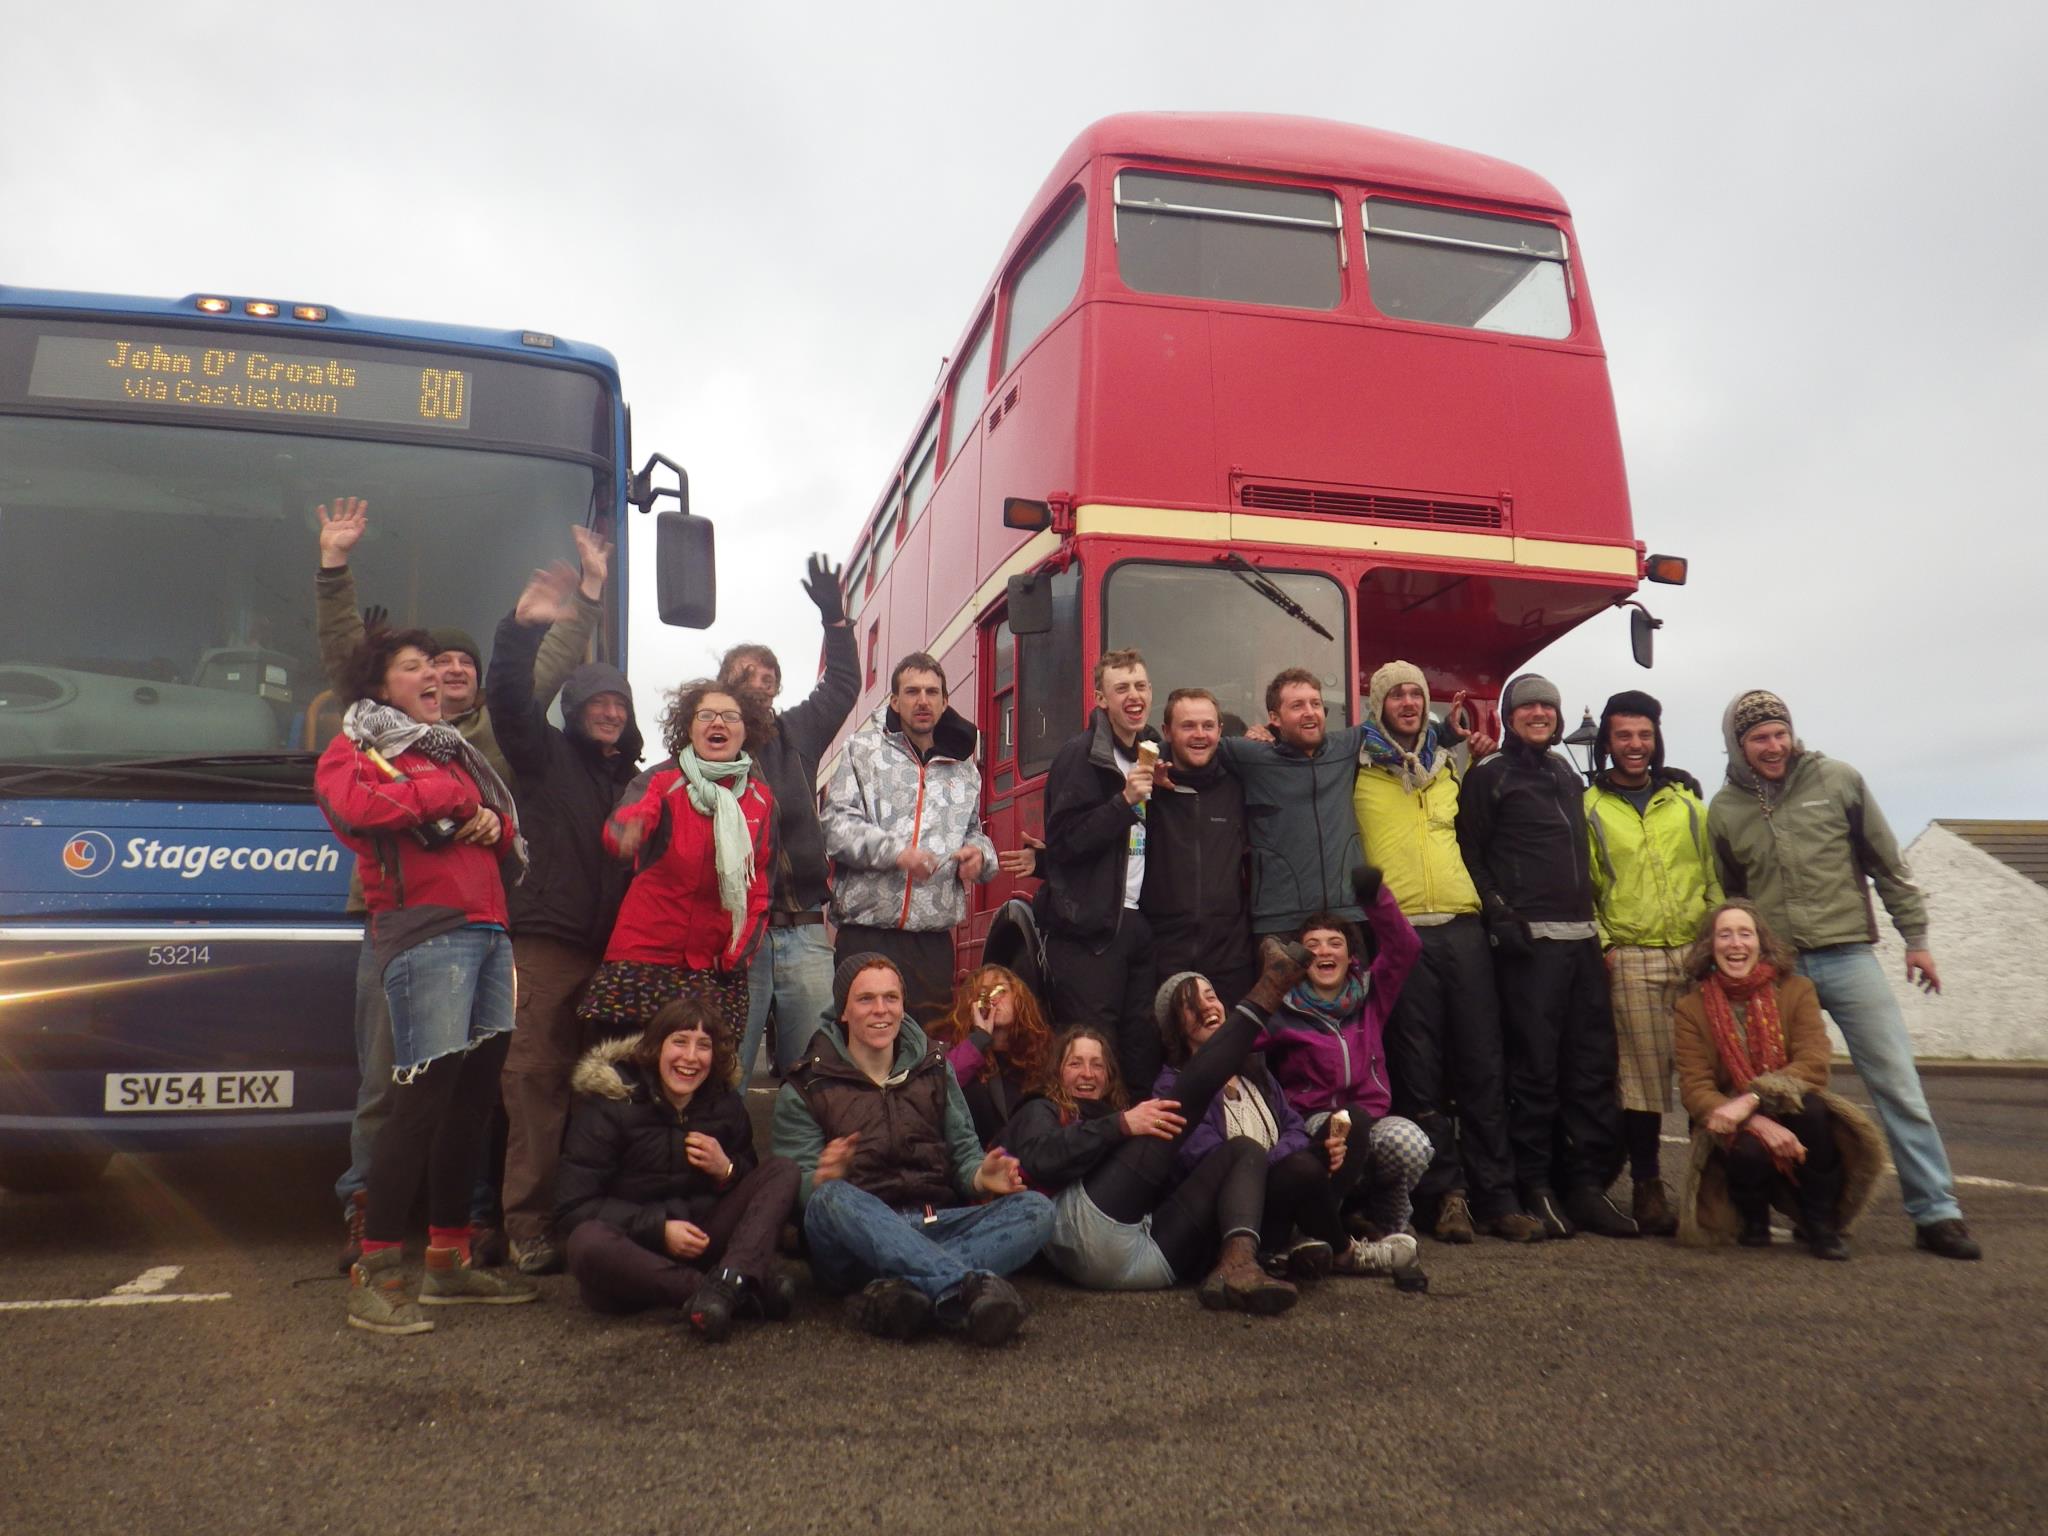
(1030, 1036)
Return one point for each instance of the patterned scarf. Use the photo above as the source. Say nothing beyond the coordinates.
(1333, 1011)
(1757, 992)
(389, 732)
(1417, 768)
(714, 790)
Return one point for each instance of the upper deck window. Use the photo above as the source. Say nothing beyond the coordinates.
(970, 384)
(1443, 266)
(921, 467)
(1245, 242)
(1046, 284)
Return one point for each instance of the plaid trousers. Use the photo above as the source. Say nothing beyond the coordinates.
(1645, 985)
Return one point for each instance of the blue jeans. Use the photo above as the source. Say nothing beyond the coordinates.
(855, 1238)
(792, 969)
(1854, 991)
(373, 1062)
(447, 994)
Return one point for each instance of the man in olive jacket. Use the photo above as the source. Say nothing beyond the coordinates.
(1799, 835)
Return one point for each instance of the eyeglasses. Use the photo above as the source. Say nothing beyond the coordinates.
(718, 717)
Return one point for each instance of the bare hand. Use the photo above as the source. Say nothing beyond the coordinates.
(1729, 1114)
(1021, 862)
(1155, 1117)
(549, 595)
(918, 863)
(707, 1156)
(684, 1239)
(970, 859)
(1786, 1149)
(629, 835)
(1138, 785)
(836, 1159)
(595, 553)
(1334, 1149)
(1922, 960)
(1259, 733)
(339, 533)
(999, 1174)
(483, 828)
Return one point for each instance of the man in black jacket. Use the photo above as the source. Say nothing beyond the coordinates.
(1522, 830)
(1195, 895)
(793, 968)
(1098, 945)
(570, 780)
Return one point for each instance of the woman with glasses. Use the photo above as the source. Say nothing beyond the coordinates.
(701, 838)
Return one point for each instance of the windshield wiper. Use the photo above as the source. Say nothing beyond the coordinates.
(216, 760)
(152, 779)
(1264, 585)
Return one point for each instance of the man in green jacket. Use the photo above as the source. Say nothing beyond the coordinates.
(1653, 886)
(1800, 835)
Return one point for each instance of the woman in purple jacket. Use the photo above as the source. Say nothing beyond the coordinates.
(1325, 1044)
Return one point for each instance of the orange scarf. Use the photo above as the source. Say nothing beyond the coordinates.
(1758, 994)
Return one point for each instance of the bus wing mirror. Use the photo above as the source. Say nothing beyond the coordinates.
(1641, 632)
(685, 570)
(1030, 603)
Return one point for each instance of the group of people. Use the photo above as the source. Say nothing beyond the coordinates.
(1283, 1000)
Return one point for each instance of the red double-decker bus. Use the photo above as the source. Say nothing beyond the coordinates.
(1249, 392)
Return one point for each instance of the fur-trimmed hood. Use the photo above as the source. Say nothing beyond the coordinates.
(608, 1071)
(1706, 1214)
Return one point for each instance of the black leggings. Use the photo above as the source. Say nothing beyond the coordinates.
(1753, 1179)
(1299, 1193)
(436, 1132)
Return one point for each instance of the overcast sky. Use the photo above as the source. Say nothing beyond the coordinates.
(1814, 236)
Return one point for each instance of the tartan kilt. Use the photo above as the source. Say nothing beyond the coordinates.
(1645, 985)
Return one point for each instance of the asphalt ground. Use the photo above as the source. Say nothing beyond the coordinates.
(1584, 1386)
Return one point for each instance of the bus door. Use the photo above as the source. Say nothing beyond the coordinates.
(1007, 810)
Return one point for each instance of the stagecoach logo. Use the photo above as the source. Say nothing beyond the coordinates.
(89, 854)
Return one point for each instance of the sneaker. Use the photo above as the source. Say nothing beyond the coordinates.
(1516, 1226)
(487, 1246)
(353, 1214)
(1306, 1261)
(451, 1280)
(994, 1310)
(1388, 1256)
(1542, 1204)
(377, 1301)
(716, 1303)
(889, 1309)
(1650, 1205)
(536, 1256)
(1826, 1243)
(1951, 1239)
(1453, 1220)
(773, 1297)
(1594, 1210)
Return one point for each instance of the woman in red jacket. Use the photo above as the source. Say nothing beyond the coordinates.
(429, 821)
(703, 838)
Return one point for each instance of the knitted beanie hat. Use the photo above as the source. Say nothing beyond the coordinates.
(1758, 707)
(1162, 1000)
(850, 967)
(1386, 680)
(1630, 701)
(458, 640)
(1529, 688)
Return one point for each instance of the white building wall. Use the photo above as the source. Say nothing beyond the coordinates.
(1989, 933)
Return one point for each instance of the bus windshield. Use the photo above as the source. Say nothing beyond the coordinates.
(156, 582)
(1220, 627)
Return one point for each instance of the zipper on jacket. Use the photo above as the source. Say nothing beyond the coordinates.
(916, 831)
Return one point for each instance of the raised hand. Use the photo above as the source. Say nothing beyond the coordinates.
(550, 595)
(1160, 1118)
(595, 551)
(821, 586)
(340, 531)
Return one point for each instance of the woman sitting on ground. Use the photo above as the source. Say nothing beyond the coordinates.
(1752, 1072)
(997, 1043)
(658, 1188)
(1249, 1106)
(1127, 1215)
(702, 835)
(430, 823)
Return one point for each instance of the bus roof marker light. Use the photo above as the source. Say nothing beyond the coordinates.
(1667, 570)
(309, 312)
(213, 306)
(262, 309)
(536, 339)
(1031, 516)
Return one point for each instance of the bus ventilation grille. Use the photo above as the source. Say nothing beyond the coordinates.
(1374, 506)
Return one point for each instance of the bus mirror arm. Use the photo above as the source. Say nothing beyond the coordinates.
(642, 492)
(1642, 628)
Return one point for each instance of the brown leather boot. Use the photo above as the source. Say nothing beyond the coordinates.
(1280, 967)
(1238, 1282)
(1651, 1207)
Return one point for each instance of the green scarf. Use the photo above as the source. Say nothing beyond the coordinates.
(732, 845)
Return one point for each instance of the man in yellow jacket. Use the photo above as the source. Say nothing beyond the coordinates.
(1444, 1052)
(1653, 886)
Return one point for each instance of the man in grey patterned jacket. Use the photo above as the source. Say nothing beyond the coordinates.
(902, 825)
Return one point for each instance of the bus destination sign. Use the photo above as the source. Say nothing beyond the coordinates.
(237, 375)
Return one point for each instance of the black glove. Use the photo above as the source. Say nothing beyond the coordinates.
(376, 616)
(821, 585)
(1511, 937)
(1365, 884)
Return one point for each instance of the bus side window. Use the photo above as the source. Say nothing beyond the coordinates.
(874, 653)
(1050, 703)
(970, 383)
(1002, 717)
(1045, 285)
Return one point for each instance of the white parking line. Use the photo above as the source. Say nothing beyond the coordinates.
(144, 1289)
(1974, 1180)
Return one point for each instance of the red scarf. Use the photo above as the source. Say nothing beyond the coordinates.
(1758, 994)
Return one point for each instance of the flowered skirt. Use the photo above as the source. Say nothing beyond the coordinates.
(624, 995)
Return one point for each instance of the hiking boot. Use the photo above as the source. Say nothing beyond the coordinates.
(1237, 1282)
(1826, 1243)
(716, 1303)
(1280, 967)
(376, 1295)
(1542, 1204)
(487, 1246)
(451, 1280)
(1594, 1210)
(1516, 1226)
(1650, 1204)
(1388, 1256)
(1306, 1261)
(1755, 1231)
(994, 1310)
(1951, 1239)
(1453, 1220)
(889, 1309)
(353, 1213)
(536, 1256)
